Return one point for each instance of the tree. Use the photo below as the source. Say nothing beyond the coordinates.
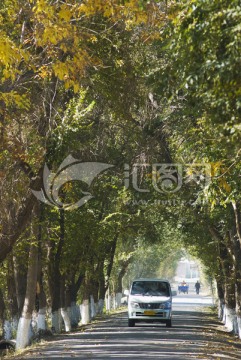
(46, 49)
(203, 45)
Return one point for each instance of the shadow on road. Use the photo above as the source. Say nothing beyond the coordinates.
(194, 335)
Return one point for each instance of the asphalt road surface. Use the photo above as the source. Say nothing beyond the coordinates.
(196, 334)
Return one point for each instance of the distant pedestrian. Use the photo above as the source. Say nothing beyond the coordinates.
(197, 287)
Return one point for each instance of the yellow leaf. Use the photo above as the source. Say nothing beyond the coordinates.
(224, 185)
(119, 63)
(65, 13)
(93, 39)
(215, 167)
(76, 88)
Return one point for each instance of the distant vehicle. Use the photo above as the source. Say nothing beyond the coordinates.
(150, 300)
(183, 288)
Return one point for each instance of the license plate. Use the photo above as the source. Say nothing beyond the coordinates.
(149, 312)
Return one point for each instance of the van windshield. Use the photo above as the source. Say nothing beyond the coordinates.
(152, 288)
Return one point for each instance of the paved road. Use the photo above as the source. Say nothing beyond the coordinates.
(195, 335)
(191, 301)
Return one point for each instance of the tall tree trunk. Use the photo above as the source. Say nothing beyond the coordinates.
(85, 307)
(237, 214)
(23, 334)
(20, 276)
(220, 291)
(119, 290)
(237, 265)
(11, 322)
(123, 271)
(56, 306)
(2, 310)
(41, 296)
(42, 304)
(67, 303)
(72, 292)
(230, 303)
(94, 290)
(102, 287)
(229, 289)
(12, 231)
(55, 277)
(64, 304)
(228, 271)
(237, 250)
(111, 255)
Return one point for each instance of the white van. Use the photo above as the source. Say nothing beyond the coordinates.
(150, 300)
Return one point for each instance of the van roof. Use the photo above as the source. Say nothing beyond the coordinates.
(151, 279)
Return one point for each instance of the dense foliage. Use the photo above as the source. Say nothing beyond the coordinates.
(150, 89)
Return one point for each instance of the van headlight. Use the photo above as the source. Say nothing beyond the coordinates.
(135, 305)
(166, 305)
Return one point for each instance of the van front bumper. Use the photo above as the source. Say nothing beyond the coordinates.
(150, 315)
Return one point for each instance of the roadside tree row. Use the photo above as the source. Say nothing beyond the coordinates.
(137, 87)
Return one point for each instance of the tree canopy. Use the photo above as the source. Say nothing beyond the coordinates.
(150, 89)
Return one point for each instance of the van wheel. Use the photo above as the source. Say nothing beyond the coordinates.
(169, 323)
(131, 322)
